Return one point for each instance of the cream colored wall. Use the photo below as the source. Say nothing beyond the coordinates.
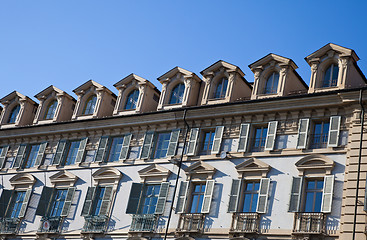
(149, 104)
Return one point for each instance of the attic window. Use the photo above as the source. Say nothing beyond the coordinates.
(271, 85)
(90, 105)
(14, 114)
(50, 111)
(331, 76)
(132, 100)
(177, 94)
(221, 90)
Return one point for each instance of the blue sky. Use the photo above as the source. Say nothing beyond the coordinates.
(66, 43)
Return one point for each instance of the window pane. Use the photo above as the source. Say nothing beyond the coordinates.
(149, 199)
(58, 202)
(162, 145)
(14, 114)
(17, 204)
(318, 200)
(90, 105)
(50, 111)
(115, 149)
(221, 90)
(73, 151)
(309, 202)
(132, 100)
(177, 94)
(31, 158)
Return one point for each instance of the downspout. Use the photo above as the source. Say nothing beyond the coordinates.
(359, 163)
(178, 174)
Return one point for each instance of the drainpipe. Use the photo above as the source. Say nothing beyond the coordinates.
(178, 174)
(359, 163)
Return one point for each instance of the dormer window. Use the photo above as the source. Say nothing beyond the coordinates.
(221, 90)
(90, 105)
(132, 100)
(177, 94)
(14, 114)
(50, 111)
(271, 85)
(331, 76)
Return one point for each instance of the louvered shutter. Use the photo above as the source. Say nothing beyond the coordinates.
(302, 133)
(334, 127)
(81, 151)
(162, 197)
(182, 195)
(327, 194)
(208, 195)
(68, 201)
(102, 149)
(135, 193)
(262, 201)
(194, 134)
(271, 135)
(295, 199)
(243, 138)
(173, 142)
(125, 147)
(59, 155)
(20, 156)
(46, 197)
(88, 201)
(4, 151)
(234, 196)
(4, 201)
(106, 201)
(40, 154)
(23, 209)
(217, 139)
(147, 145)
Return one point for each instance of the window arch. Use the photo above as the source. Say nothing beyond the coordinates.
(50, 110)
(90, 105)
(331, 76)
(14, 114)
(132, 100)
(220, 91)
(271, 85)
(177, 94)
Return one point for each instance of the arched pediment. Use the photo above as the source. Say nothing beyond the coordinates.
(154, 171)
(63, 177)
(253, 168)
(107, 173)
(201, 168)
(314, 162)
(22, 179)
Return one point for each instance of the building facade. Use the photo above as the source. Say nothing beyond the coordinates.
(214, 157)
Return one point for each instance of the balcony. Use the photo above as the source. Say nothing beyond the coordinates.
(95, 224)
(309, 223)
(245, 223)
(9, 225)
(191, 222)
(143, 223)
(51, 225)
(319, 140)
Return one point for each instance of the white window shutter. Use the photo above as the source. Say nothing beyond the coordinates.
(262, 201)
(162, 197)
(20, 156)
(147, 145)
(295, 198)
(106, 201)
(173, 142)
(125, 147)
(23, 209)
(327, 194)
(81, 151)
(217, 139)
(182, 195)
(234, 195)
(194, 134)
(243, 138)
(303, 133)
(88, 201)
(68, 201)
(271, 135)
(4, 152)
(40, 154)
(60, 150)
(208, 195)
(102, 149)
(334, 127)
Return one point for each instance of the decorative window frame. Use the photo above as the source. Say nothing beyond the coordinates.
(154, 173)
(107, 176)
(22, 181)
(315, 165)
(63, 178)
(252, 169)
(200, 171)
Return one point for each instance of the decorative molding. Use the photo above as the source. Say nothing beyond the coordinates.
(154, 171)
(63, 177)
(200, 168)
(315, 163)
(23, 179)
(253, 168)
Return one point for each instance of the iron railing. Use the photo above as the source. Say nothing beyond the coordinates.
(191, 222)
(51, 225)
(245, 222)
(319, 140)
(258, 144)
(143, 223)
(9, 225)
(309, 223)
(95, 224)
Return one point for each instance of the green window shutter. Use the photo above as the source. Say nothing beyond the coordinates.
(327, 194)
(81, 151)
(59, 155)
(334, 127)
(20, 156)
(134, 199)
(208, 195)
(46, 197)
(102, 149)
(125, 147)
(302, 133)
(270, 137)
(147, 145)
(234, 196)
(26, 199)
(182, 195)
(173, 142)
(88, 201)
(162, 197)
(106, 202)
(243, 139)
(217, 139)
(194, 134)
(4, 151)
(40, 154)
(68, 201)
(295, 199)
(4, 201)
(262, 200)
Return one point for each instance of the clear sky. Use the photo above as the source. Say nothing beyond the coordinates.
(66, 43)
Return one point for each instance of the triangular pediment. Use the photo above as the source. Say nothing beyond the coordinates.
(331, 47)
(22, 179)
(107, 173)
(177, 70)
(154, 170)
(200, 168)
(132, 77)
(63, 176)
(221, 64)
(252, 164)
(51, 90)
(15, 96)
(272, 57)
(90, 84)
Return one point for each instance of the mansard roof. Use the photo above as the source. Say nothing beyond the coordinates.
(331, 46)
(90, 83)
(16, 94)
(51, 89)
(271, 56)
(131, 78)
(171, 73)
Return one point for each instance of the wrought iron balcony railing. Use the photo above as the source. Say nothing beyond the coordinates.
(319, 140)
(191, 222)
(309, 223)
(143, 223)
(95, 224)
(258, 144)
(51, 224)
(9, 225)
(245, 222)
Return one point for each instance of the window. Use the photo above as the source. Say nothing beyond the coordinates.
(50, 111)
(150, 199)
(250, 196)
(177, 94)
(331, 76)
(197, 197)
(97, 201)
(221, 90)
(161, 146)
(132, 100)
(90, 105)
(115, 149)
(260, 134)
(14, 114)
(313, 195)
(271, 85)
(58, 202)
(72, 152)
(319, 138)
(13, 203)
(17, 202)
(207, 142)
(32, 156)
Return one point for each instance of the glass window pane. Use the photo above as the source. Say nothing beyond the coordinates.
(161, 146)
(132, 100)
(32, 155)
(115, 149)
(14, 114)
(309, 202)
(72, 153)
(177, 94)
(50, 111)
(90, 105)
(318, 200)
